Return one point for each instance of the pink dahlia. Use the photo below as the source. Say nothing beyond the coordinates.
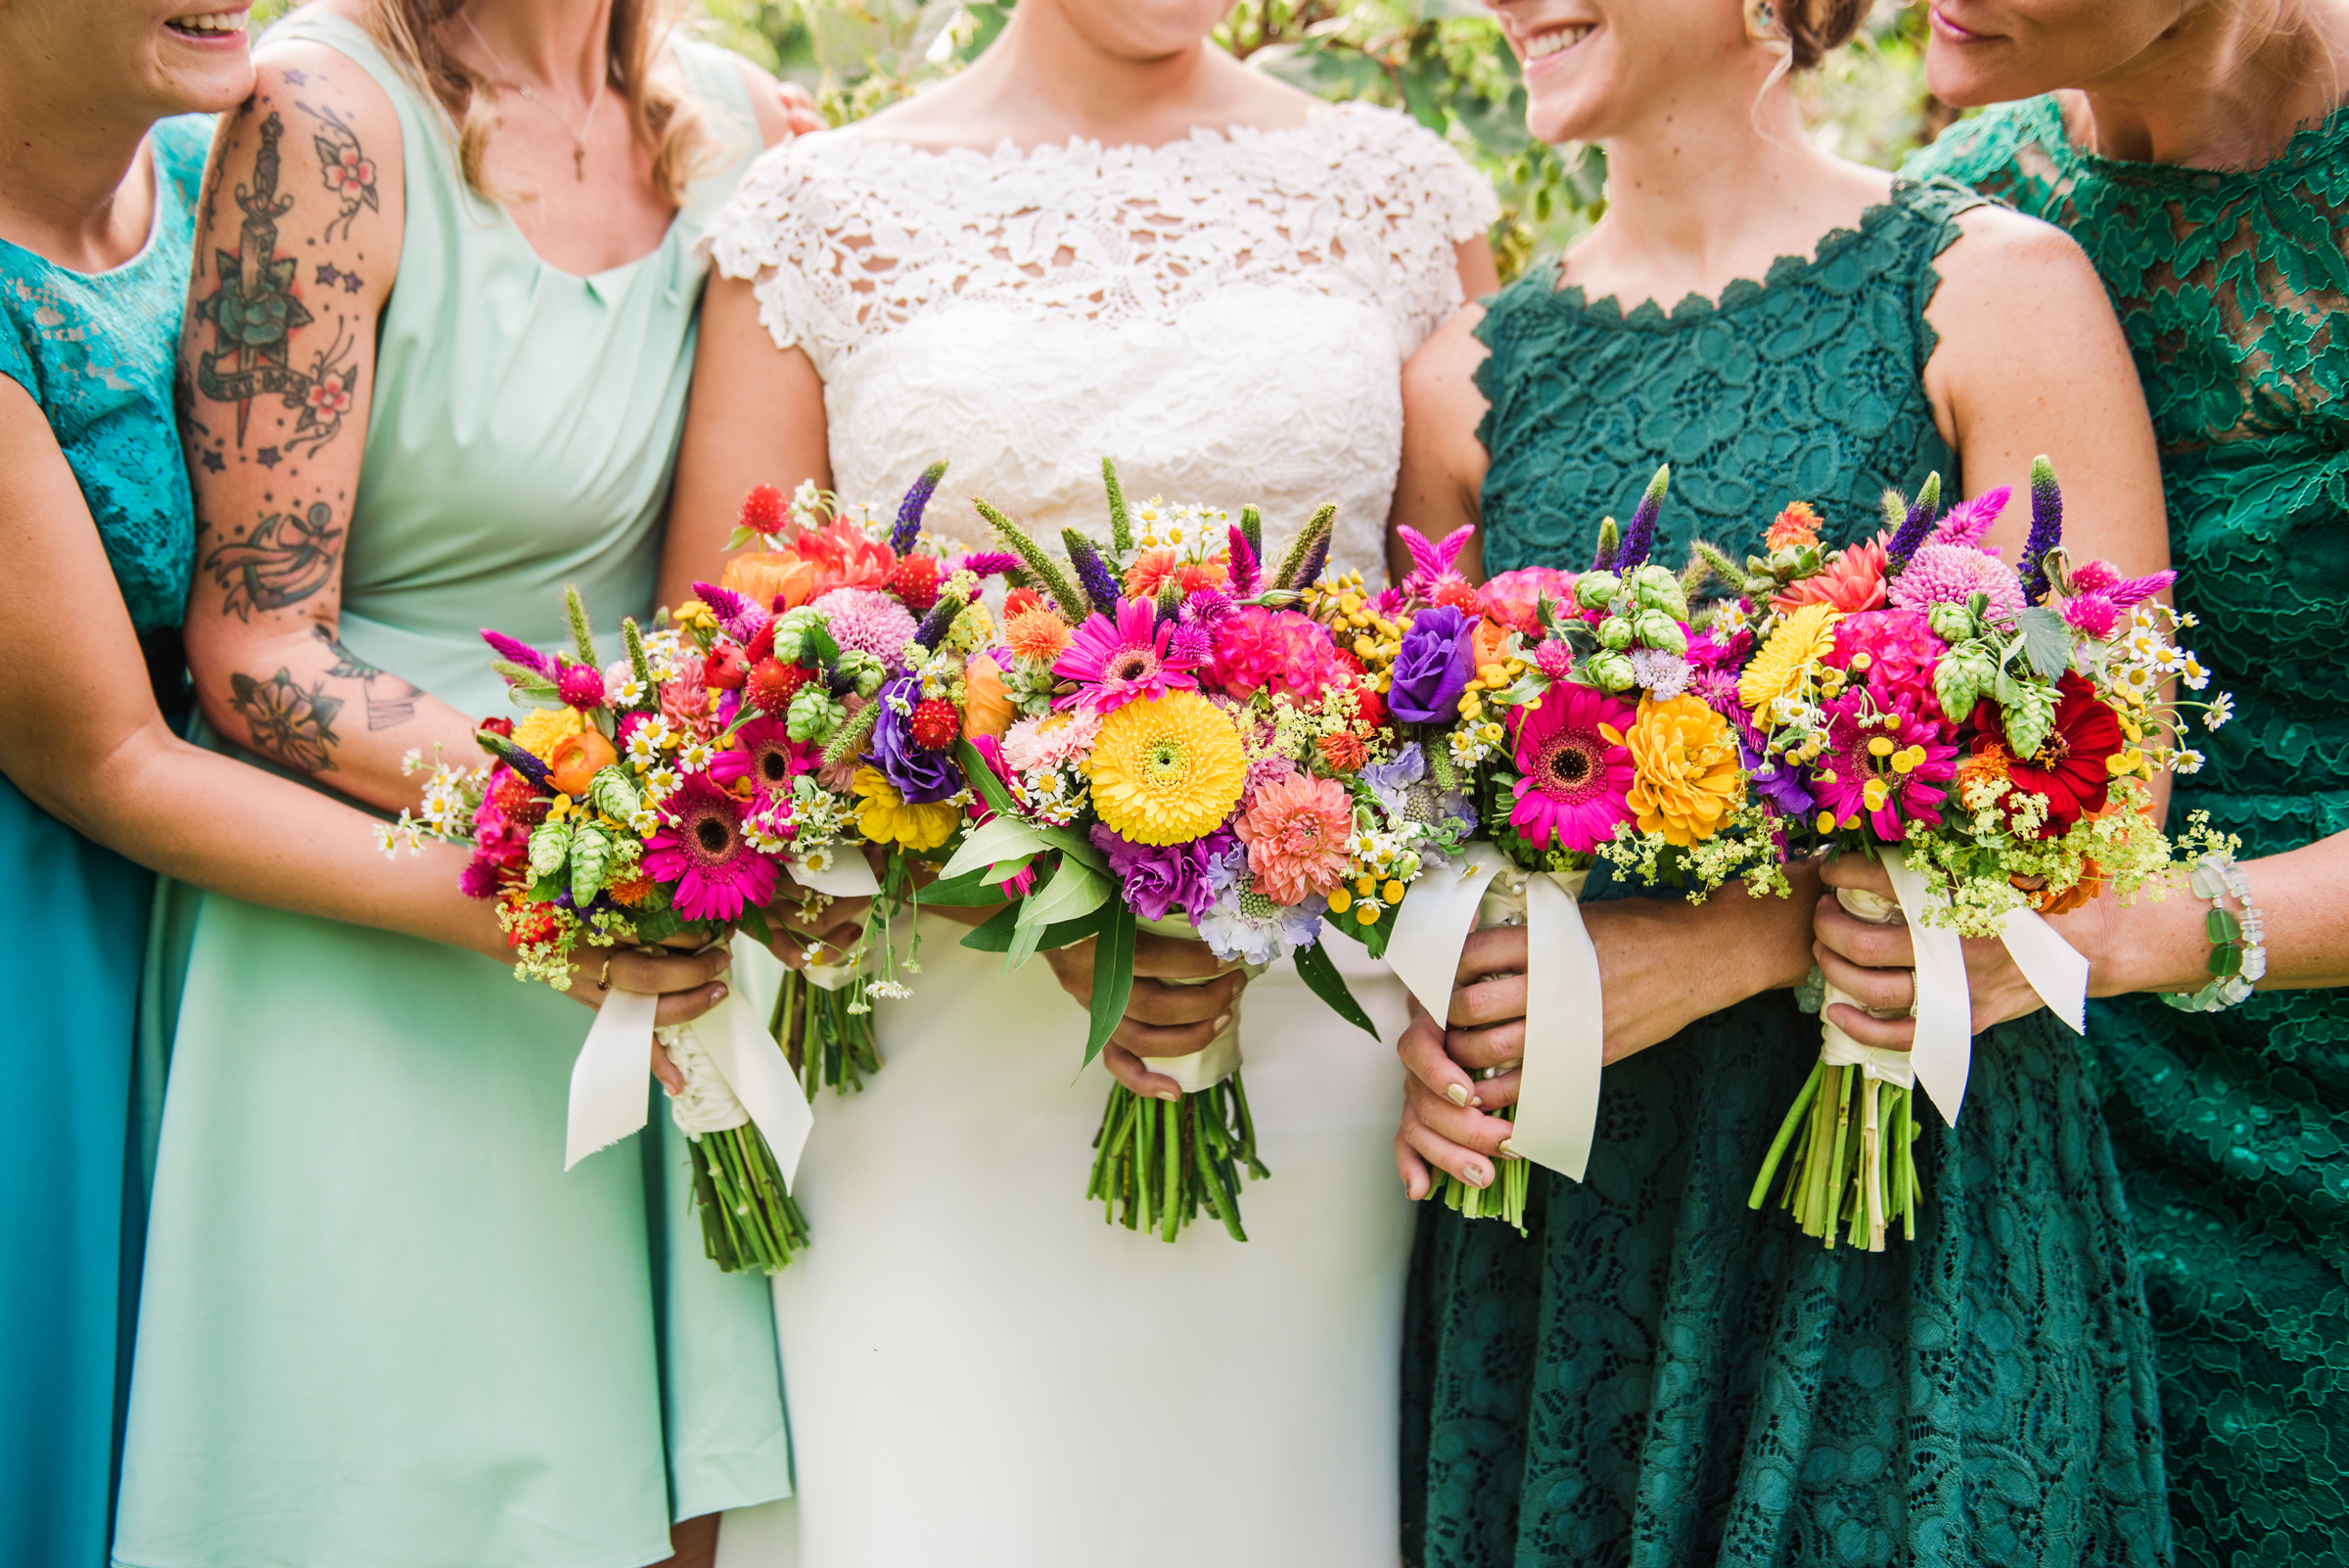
(1115, 661)
(1050, 741)
(1909, 776)
(1952, 574)
(1299, 831)
(1513, 597)
(1576, 775)
(701, 848)
(870, 622)
(764, 751)
(1275, 650)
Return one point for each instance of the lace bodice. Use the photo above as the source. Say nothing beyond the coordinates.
(2232, 1128)
(1225, 315)
(96, 351)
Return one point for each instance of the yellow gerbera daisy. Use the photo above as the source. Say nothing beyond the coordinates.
(886, 818)
(1688, 781)
(1167, 770)
(540, 730)
(1782, 666)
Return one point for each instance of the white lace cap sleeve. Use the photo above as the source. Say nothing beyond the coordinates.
(844, 237)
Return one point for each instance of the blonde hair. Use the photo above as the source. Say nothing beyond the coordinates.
(664, 123)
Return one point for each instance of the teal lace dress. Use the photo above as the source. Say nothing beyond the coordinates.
(2233, 1129)
(1658, 1375)
(95, 351)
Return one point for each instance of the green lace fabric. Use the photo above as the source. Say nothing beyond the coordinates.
(2233, 1129)
(1658, 1375)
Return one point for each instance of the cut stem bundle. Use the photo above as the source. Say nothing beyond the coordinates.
(1157, 1163)
(748, 1218)
(826, 1039)
(1855, 1165)
(1503, 1199)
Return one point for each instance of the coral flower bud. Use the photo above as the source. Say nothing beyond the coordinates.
(576, 758)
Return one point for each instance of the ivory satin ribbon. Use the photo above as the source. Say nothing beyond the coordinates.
(1565, 1033)
(846, 877)
(1219, 1058)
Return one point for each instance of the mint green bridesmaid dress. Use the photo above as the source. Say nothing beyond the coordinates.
(385, 1328)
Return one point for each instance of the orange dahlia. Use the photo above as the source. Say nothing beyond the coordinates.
(1852, 582)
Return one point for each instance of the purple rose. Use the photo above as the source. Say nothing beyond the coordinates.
(1159, 878)
(1432, 670)
(918, 774)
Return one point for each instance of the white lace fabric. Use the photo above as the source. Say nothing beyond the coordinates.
(1226, 315)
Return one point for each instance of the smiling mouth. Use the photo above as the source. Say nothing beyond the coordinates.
(209, 25)
(1556, 40)
(1949, 30)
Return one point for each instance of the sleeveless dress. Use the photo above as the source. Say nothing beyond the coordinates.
(1658, 1375)
(388, 1330)
(1226, 316)
(96, 351)
(2232, 1128)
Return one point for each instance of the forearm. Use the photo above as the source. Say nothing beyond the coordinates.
(308, 704)
(2303, 903)
(218, 824)
(1663, 965)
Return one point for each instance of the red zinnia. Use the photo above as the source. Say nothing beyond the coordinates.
(2070, 770)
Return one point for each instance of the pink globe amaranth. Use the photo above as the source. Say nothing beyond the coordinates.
(1575, 779)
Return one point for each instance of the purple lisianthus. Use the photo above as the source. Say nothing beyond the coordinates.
(1431, 668)
(1159, 878)
(919, 775)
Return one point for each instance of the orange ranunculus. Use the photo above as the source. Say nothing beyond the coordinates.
(1852, 582)
(777, 579)
(576, 759)
(1486, 641)
(987, 707)
(844, 557)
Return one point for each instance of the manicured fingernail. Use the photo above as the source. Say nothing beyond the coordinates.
(717, 993)
(1508, 1150)
(1169, 1099)
(1459, 1096)
(1478, 1175)
(1477, 1100)
(1222, 1022)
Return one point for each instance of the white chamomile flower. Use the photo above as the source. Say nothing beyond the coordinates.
(412, 761)
(816, 859)
(2196, 678)
(660, 782)
(2187, 762)
(645, 823)
(695, 757)
(2220, 710)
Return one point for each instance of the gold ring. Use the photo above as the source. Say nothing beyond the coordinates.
(603, 982)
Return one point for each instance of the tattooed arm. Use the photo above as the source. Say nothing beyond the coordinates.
(296, 250)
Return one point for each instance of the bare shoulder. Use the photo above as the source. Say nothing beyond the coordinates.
(1999, 255)
(1440, 378)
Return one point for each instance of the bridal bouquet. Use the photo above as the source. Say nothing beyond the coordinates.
(1172, 735)
(1988, 732)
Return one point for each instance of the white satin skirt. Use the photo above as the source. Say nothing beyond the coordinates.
(980, 1371)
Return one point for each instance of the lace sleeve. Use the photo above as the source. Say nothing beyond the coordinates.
(1431, 202)
(773, 233)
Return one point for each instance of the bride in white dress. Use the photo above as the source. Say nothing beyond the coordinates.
(1106, 238)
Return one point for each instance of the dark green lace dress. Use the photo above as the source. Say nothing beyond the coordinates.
(2233, 1129)
(1658, 1375)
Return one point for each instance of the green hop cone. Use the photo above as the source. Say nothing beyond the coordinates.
(1617, 633)
(2030, 713)
(1660, 630)
(791, 634)
(1953, 624)
(614, 794)
(1959, 681)
(864, 670)
(1612, 670)
(1658, 587)
(550, 846)
(590, 859)
(1592, 590)
(814, 713)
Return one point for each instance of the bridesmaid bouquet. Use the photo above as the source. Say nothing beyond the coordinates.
(1988, 732)
(1172, 734)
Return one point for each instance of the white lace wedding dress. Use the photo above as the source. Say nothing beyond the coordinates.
(980, 1370)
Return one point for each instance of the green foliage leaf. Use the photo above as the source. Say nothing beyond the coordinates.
(1112, 975)
(2046, 641)
(1074, 890)
(1321, 977)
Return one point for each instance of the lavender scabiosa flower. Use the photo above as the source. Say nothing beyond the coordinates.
(1240, 922)
(1092, 572)
(1663, 675)
(2047, 526)
(1916, 525)
(909, 511)
(1640, 538)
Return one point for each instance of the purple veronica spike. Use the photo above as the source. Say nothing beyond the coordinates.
(1092, 572)
(741, 617)
(1309, 570)
(1610, 550)
(1916, 525)
(514, 757)
(989, 563)
(909, 511)
(1640, 538)
(522, 653)
(2046, 527)
(1247, 572)
(940, 618)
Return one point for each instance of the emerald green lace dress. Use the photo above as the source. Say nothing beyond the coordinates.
(1658, 1375)
(2233, 1129)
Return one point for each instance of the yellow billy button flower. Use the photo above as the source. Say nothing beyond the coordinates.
(1340, 900)
(1167, 770)
(1366, 912)
(1826, 821)
(1392, 892)
(1878, 746)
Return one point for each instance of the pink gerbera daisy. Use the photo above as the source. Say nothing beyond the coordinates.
(1576, 778)
(701, 848)
(1299, 831)
(1903, 781)
(763, 751)
(1115, 661)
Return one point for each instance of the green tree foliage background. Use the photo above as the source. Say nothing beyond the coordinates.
(1443, 61)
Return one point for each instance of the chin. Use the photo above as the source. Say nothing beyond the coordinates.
(200, 62)
(1147, 29)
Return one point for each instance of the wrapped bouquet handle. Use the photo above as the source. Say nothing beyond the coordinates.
(1565, 1031)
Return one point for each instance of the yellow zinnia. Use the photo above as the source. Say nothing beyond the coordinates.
(1688, 781)
(886, 818)
(541, 730)
(1783, 665)
(1167, 770)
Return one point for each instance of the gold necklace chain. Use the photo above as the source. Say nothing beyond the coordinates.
(578, 138)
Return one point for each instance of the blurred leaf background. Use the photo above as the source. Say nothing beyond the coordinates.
(1443, 61)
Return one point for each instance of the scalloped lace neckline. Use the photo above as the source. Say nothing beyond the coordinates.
(1007, 153)
(1737, 292)
(2309, 141)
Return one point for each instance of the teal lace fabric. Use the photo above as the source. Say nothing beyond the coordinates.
(1658, 1375)
(2233, 1130)
(97, 353)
